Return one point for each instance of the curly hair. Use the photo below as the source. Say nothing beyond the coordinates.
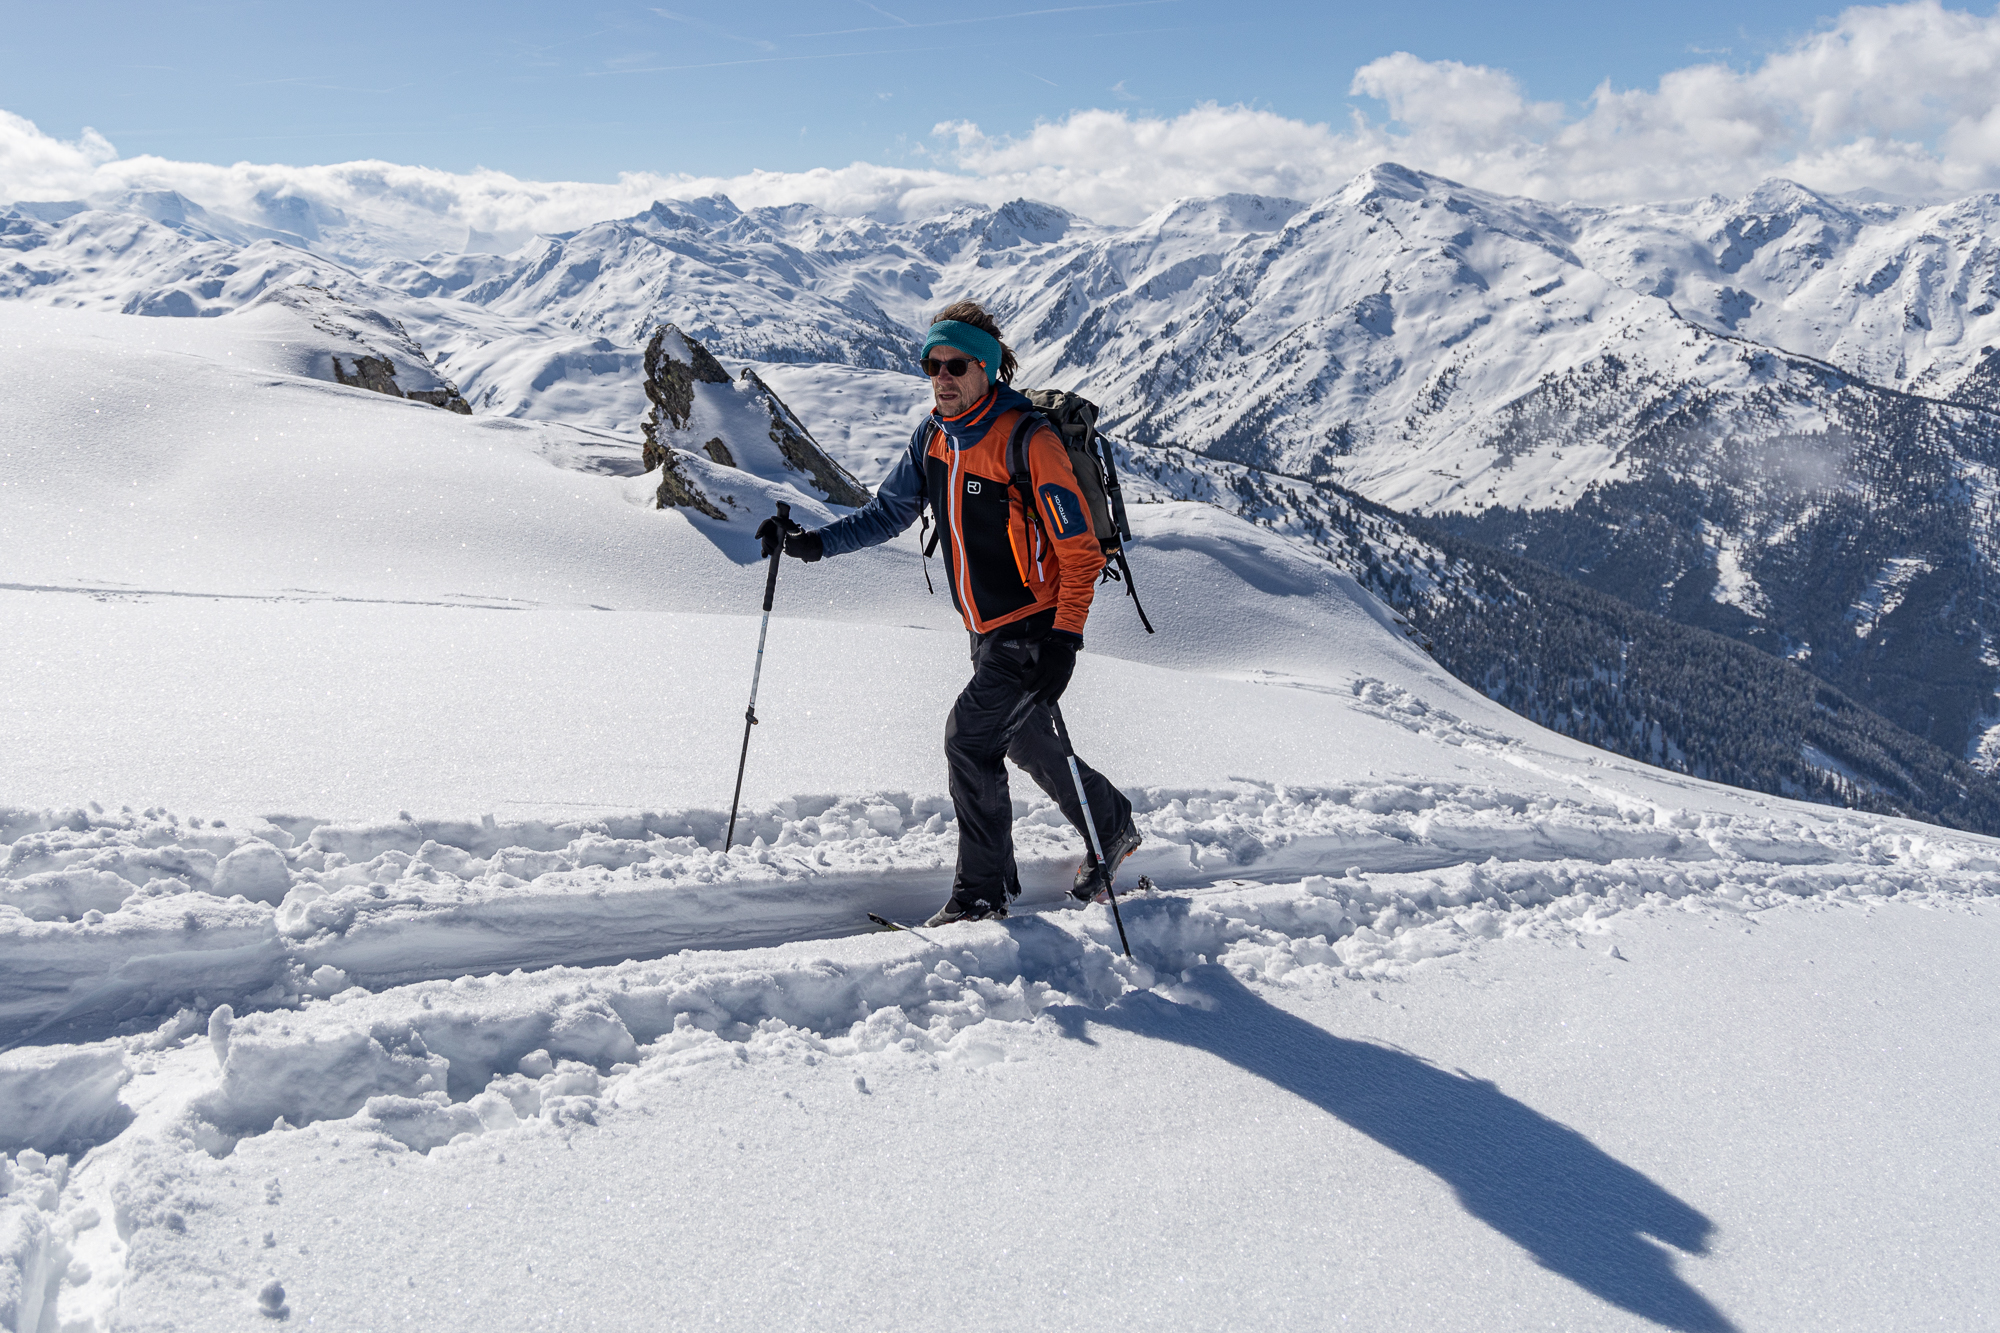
(971, 312)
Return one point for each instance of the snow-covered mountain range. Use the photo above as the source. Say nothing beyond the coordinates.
(1776, 416)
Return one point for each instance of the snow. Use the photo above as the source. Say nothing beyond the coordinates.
(1985, 745)
(1826, 763)
(761, 1157)
(371, 954)
(862, 416)
(1902, 296)
(1884, 593)
(1735, 585)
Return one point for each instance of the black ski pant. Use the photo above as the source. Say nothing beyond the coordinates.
(995, 719)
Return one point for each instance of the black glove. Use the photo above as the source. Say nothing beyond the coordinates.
(784, 529)
(771, 533)
(1055, 665)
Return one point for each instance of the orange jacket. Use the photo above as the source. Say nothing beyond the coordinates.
(1003, 563)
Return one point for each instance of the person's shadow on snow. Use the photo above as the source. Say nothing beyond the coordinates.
(1579, 1211)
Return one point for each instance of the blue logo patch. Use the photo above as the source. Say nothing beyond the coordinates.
(1065, 511)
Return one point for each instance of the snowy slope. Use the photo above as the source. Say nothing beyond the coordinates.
(377, 703)
(129, 260)
(1905, 297)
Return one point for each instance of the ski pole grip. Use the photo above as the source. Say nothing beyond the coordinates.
(777, 554)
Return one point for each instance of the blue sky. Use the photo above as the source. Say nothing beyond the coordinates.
(557, 93)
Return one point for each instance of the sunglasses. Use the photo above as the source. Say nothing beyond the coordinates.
(955, 367)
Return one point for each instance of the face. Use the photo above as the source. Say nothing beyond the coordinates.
(956, 394)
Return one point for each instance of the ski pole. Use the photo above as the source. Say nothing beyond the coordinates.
(750, 713)
(1090, 824)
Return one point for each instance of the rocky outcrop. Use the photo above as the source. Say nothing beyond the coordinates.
(675, 363)
(678, 489)
(377, 374)
(699, 412)
(358, 347)
(801, 452)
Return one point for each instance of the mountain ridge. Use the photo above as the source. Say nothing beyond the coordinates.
(1683, 405)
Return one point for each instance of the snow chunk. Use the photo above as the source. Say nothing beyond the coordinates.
(327, 1075)
(257, 870)
(218, 1033)
(61, 1098)
(32, 1260)
(422, 1123)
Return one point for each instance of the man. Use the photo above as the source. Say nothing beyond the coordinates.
(1022, 577)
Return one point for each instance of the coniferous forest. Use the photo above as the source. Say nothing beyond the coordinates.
(1588, 665)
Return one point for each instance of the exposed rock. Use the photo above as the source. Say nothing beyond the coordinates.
(677, 488)
(802, 453)
(674, 363)
(362, 348)
(377, 374)
(697, 410)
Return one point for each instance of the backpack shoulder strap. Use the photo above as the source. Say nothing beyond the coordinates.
(932, 532)
(1017, 462)
(1017, 453)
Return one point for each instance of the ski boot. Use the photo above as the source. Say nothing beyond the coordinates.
(1093, 879)
(976, 910)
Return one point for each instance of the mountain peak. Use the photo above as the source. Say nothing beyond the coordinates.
(1776, 194)
(690, 214)
(169, 207)
(1225, 213)
(1030, 220)
(48, 211)
(1398, 181)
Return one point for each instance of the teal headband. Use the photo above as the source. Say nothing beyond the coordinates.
(966, 338)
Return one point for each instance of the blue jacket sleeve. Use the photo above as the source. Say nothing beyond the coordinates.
(897, 502)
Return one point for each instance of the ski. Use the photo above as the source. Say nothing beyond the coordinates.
(887, 924)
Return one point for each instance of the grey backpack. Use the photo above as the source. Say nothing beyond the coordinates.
(1074, 418)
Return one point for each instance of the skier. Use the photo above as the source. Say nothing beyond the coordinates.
(1023, 582)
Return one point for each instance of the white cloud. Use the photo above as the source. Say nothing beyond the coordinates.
(39, 166)
(1904, 98)
(1108, 165)
(1459, 108)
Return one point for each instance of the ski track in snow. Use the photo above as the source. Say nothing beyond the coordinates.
(110, 917)
(222, 984)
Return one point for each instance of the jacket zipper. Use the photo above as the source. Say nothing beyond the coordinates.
(957, 516)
